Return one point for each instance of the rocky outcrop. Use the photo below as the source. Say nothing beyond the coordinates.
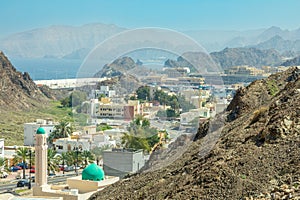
(118, 67)
(18, 91)
(254, 154)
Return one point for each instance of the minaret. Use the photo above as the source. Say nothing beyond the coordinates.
(41, 158)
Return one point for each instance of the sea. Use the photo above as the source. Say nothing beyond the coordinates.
(48, 68)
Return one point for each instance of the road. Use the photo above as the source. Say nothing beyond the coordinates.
(55, 179)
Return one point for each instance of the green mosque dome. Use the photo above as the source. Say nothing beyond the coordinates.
(93, 173)
(41, 130)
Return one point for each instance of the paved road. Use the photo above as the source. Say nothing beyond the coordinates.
(56, 179)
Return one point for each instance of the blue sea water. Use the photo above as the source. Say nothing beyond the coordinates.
(47, 68)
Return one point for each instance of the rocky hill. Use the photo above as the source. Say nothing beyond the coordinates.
(123, 73)
(251, 151)
(246, 56)
(18, 91)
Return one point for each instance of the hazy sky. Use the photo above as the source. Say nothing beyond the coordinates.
(21, 15)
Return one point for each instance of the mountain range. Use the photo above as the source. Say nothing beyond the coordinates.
(72, 42)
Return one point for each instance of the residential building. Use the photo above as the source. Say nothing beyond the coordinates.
(31, 128)
(67, 144)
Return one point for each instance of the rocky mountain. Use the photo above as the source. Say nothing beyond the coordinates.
(227, 58)
(122, 73)
(76, 42)
(279, 44)
(250, 151)
(117, 67)
(57, 41)
(292, 62)
(246, 56)
(18, 91)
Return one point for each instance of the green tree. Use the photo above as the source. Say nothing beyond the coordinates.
(135, 142)
(61, 130)
(77, 97)
(74, 158)
(87, 157)
(63, 158)
(3, 165)
(22, 156)
(171, 113)
(145, 123)
(143, 93)
(98, 152)
(66, 102)
(53, 160)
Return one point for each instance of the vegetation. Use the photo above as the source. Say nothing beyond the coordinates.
(61, 130)
(74, 99)
(3, 166)
(21, 156)
(87, 157)
(12, 123)
(140, 136)
(272, 87)
(98, 152)
(143, 93)
(53, 160)
(103, 127)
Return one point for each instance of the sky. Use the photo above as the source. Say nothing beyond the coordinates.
(22, 15)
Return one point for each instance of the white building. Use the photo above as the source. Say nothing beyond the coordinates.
(31, 128)
(66, 144)
(1, 148)
(187, 117)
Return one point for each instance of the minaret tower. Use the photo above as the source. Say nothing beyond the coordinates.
(41, 158)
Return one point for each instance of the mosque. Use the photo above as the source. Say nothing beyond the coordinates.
(81, 187)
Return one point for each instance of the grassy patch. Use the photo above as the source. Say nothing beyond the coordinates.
(272, 87)
(21, 191)
(12, 122)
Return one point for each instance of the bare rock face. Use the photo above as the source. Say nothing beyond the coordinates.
(256, 156)
(17, 90)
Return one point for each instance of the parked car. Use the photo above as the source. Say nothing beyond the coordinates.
(52, 174)
(68, 168)
(22, 183)
(3, 175)
(32, 171)
(23, 165)
(33, 179)
(15, 168)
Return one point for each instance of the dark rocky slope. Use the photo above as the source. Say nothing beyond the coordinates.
(254, 155)
(17, 90)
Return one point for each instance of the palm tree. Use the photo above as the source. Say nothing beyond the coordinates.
(61, 130)
(3, 165)
(64, 159)
(64, 128)
(98, 152)
(135, 142)
(74, 158)
(87, 157)
(53, 160)
(21, 156)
